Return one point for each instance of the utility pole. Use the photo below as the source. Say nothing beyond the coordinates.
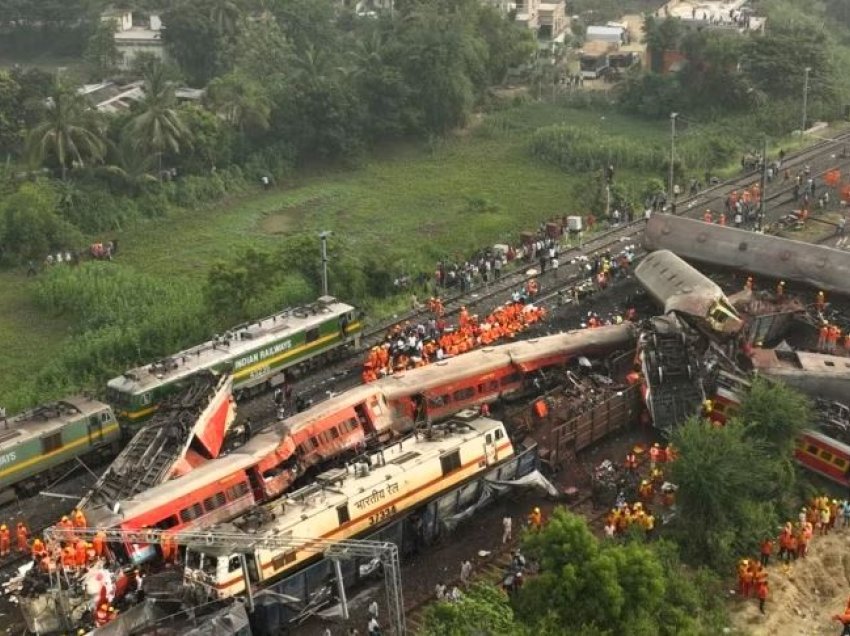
(805, 97)
(672, 156)
(763, 186)
(324, 236)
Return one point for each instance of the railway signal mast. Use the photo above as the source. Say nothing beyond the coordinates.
(385, 551)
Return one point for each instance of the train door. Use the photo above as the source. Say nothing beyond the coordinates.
(490, 451)
(257, 486)
(95, 430)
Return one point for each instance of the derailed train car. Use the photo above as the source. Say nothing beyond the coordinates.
(336, 429)
(822, 267)
(683, 290)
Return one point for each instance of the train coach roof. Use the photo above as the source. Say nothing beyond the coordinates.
(242, 340)
(779, 359)
(676, 284)
(439, 373)
(574, 342)
(47, 417)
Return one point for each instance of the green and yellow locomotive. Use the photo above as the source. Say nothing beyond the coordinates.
(257, 354)
(36, 445)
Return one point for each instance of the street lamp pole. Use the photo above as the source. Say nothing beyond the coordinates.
(672, 155)
(805, 97)
(324, 236)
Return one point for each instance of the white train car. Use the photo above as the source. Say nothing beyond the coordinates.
(353, 501)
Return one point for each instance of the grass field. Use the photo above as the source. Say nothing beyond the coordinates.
(419, 201)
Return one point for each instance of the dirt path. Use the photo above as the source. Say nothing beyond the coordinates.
(804, 596)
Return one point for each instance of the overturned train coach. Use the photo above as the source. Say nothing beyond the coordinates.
(680, 288)
(341, 427)
(821, 267)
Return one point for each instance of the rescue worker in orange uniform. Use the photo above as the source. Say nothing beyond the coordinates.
(744, 578)
(99, 543)
(631, 462)
(80, 554)
(69, 557)
(22, 535)
(654, 455)
(645, 491)
(535, 519)
(762, 593)
(4, 541)
(38, 548)
(766, 549)
(79, 519)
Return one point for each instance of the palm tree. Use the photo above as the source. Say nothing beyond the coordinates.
(158, 127)
(241, 101)
(70, 131)
(134, 168)
(225, 14)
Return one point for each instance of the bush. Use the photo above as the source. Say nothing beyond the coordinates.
(582, 149)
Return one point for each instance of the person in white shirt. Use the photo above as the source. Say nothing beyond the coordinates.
(507, 526)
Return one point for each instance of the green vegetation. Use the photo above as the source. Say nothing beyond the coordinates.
(590, 587)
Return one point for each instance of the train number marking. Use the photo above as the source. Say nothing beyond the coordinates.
(381, 515)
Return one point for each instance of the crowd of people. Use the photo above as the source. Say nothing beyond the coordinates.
(821, 516)
(408, 346)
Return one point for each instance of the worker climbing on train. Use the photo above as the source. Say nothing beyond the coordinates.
(22, 536)
(69, 557)
(780, 290)
(79, 519)
(4, 541)
(535, 519)
(820, 301)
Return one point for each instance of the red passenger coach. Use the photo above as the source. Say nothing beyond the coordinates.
(824, 455)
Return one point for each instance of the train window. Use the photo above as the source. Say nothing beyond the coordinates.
(235, 563)
(342, 514)
(314, 442)
(51, 443)
(350, 424)
(216, 501)
(283, 559)
(826, 456)
(168, 522)
(239, 490)
(311, 335)
(145, 398)
(513, 378)
(438, 401)
(463, 394)
(489, 438)
(450, 462)
(334, 432)
(811, 448)
(499, 434)
(105, 416)
(829, 363)
(838, 461)
(192, 512)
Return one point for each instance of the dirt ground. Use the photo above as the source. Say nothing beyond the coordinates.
(803, 596)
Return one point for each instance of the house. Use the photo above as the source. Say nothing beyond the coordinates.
(548, 20)
(136, 34)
